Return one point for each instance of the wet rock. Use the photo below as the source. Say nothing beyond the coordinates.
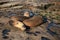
(5, 33)
(44, 38)
(51, 32)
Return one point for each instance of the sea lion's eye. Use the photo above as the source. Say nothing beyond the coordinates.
(17, 23)
(11, 22)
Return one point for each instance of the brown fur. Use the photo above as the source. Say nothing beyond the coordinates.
(30, 22)
(19, 18)
(16, 22)
(34, 21)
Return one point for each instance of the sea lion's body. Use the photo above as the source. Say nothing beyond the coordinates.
(34, 21)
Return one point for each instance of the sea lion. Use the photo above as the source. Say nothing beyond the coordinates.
(34, 21)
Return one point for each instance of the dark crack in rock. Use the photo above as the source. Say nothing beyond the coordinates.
(44, 38)
(37, 32)
(5, 37)
(51, 32)
(28, 38)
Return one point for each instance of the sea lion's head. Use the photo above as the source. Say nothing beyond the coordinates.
(17, 24)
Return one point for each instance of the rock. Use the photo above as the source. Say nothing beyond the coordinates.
(9, 14)
(55, 30)
(44, 38)
(5, 32)
(34, 21)
(56, 21)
